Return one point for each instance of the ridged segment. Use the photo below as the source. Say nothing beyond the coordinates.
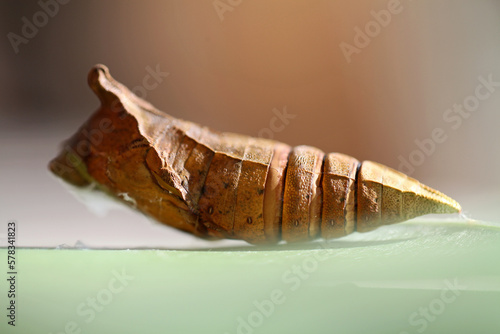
(274, 191)
(217, 202)
(339, 201)
(249, 211)
(302, 197)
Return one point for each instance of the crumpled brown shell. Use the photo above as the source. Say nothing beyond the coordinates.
(225, 185)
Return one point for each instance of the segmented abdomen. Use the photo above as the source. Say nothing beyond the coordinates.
(224, 185)
(263, 191)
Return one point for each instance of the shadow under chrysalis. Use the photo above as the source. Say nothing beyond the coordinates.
(224, 185)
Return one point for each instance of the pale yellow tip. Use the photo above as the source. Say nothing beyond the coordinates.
(433, 201)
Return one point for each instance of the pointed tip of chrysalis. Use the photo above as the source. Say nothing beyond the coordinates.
(433, 201)
(386, 196)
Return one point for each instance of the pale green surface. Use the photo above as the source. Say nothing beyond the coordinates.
(365, 283)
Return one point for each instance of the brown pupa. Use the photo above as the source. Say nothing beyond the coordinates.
(224, 185)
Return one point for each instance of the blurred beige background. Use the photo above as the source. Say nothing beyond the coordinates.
(365, 78)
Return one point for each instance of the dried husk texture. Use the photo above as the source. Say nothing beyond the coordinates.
(224, 185)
